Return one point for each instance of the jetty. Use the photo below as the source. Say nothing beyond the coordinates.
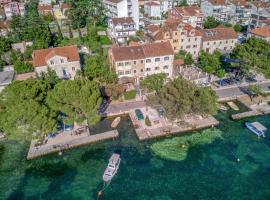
(64, 141)
(257, 106)
(161, 126)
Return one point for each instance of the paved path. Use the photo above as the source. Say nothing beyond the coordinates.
(121, 108)
(235, 91)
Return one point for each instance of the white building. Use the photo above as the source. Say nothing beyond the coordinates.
(123, 8)
(221, 38)
(152, 9)
(139, 61)
(216, 8)
(120, 29)
(14, 8)
(65, 61)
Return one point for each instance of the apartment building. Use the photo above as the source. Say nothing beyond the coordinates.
(65, 61)
(233, 11)
(120, 29)
(182, 36)
(142, 60)
(260, 12)
(123, 8)
(14, 8)
(157, 8)
(221, 38)
(261, 32)
(188, 14)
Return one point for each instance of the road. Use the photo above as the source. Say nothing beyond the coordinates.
(235, 91)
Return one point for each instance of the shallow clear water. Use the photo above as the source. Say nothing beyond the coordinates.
(208, 172)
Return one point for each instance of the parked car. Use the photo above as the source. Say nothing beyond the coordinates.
(139, 114)
(103, 106)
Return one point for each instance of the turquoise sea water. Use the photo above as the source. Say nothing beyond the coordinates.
(209, 171)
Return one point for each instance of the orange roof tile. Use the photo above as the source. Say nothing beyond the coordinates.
(262, 31)
(219, 33)
(41, 56)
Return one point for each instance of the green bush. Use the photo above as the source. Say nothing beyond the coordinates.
(130, 94)
(147, 121)
(104, 40)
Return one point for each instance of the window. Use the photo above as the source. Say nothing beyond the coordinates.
(134, 71)
(182, 40)
(188, 46)
(175, 33)
(167, 74)
(214, 42)
(194, 46)
(166, 58)
(226, 41)
(52, 63)
(73, 68)
(141, 70)
(128, 72)
(156, 68)
(120, 73)
(207, 43)
(195, 39)
(141, 78)
(134, 62)
(62, 60)
(120, 64)
(166, 67)
(148, 60)
(127, 63)
(157, 59)
(189, 39)
(141, 61)
(148, 69)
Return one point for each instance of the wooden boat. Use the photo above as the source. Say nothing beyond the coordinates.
(115, 122)
(222, 107)
(256, 128)
(112, 167)
(233, 105)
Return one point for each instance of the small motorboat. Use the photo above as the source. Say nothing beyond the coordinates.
(222, 107)
(256, 128)
(233, 105)
(112, 167)
(115, 122)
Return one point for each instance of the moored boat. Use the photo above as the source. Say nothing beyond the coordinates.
(115, 122)
(256, 128)
(112, 167)
(233, 105)
(222, 107)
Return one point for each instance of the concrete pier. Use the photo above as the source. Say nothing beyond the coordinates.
(67, 142)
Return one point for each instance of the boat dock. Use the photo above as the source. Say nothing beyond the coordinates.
(256, 107)
(145, 134)
(65, 141)
(161, 126)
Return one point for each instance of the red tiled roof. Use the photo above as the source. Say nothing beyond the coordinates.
(262, 31)
(217, 2)
(189, 10)
(41, 56)
(178, 62)
(122, 20)
(142, 51)
(45, 7)
(158, 49)
(152, 3)
(219, 33)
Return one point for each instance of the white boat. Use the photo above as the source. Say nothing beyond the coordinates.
(222, 107)
(256, 128)
(112, 167)
(233, 105)
(115, 122)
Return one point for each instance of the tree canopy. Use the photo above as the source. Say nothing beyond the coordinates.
(211, 22)
(153, 82)
(78, 99)
(255, 53)
(84, 11)
(186, 56)
(23, 107)
(180, 97)
(211, 63)
(97, 68)
(5, 44)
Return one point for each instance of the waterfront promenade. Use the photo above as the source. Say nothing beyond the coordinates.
(161, 126)
(67, 140)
